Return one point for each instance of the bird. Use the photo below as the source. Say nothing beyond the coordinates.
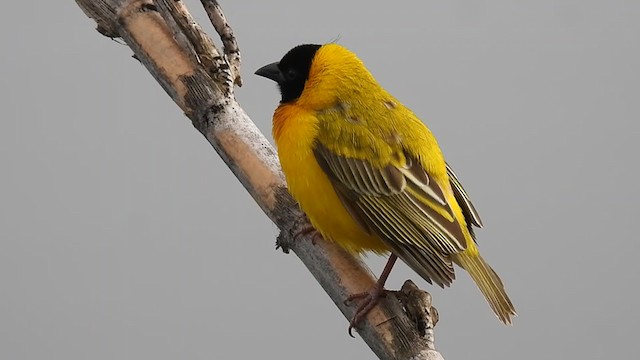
(370, 175)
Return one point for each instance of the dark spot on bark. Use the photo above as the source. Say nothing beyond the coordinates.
(148, 7)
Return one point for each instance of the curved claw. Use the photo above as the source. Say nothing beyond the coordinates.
(352, 297)
(371, 299)
(306, 229)
(301, 228)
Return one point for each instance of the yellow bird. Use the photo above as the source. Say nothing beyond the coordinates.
(370, 175)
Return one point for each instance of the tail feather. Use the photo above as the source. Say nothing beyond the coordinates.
(490, 285)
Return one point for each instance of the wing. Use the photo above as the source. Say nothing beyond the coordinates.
(468, 210)
(403, 206)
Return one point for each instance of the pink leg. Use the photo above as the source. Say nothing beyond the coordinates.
(370, 297)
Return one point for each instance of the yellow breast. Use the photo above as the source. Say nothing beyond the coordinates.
(295, 131)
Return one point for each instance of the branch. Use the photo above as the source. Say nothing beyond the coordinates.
(231, 50)
(186, 63)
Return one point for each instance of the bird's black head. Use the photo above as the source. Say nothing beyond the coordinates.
(291, 72)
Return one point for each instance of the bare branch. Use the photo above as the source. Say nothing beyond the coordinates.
(203, 47)
(231, 49)
(417, 304)
(173, 48)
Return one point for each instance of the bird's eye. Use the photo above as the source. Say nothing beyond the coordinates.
(291, 74)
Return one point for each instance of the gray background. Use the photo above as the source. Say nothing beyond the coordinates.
(124, 236)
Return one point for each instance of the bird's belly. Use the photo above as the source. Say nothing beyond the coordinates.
(309, 185)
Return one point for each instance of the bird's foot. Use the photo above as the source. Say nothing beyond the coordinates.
(369, 300)
(301, 227)
(304, 229)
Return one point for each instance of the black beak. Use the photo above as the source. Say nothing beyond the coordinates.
(271, 71)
